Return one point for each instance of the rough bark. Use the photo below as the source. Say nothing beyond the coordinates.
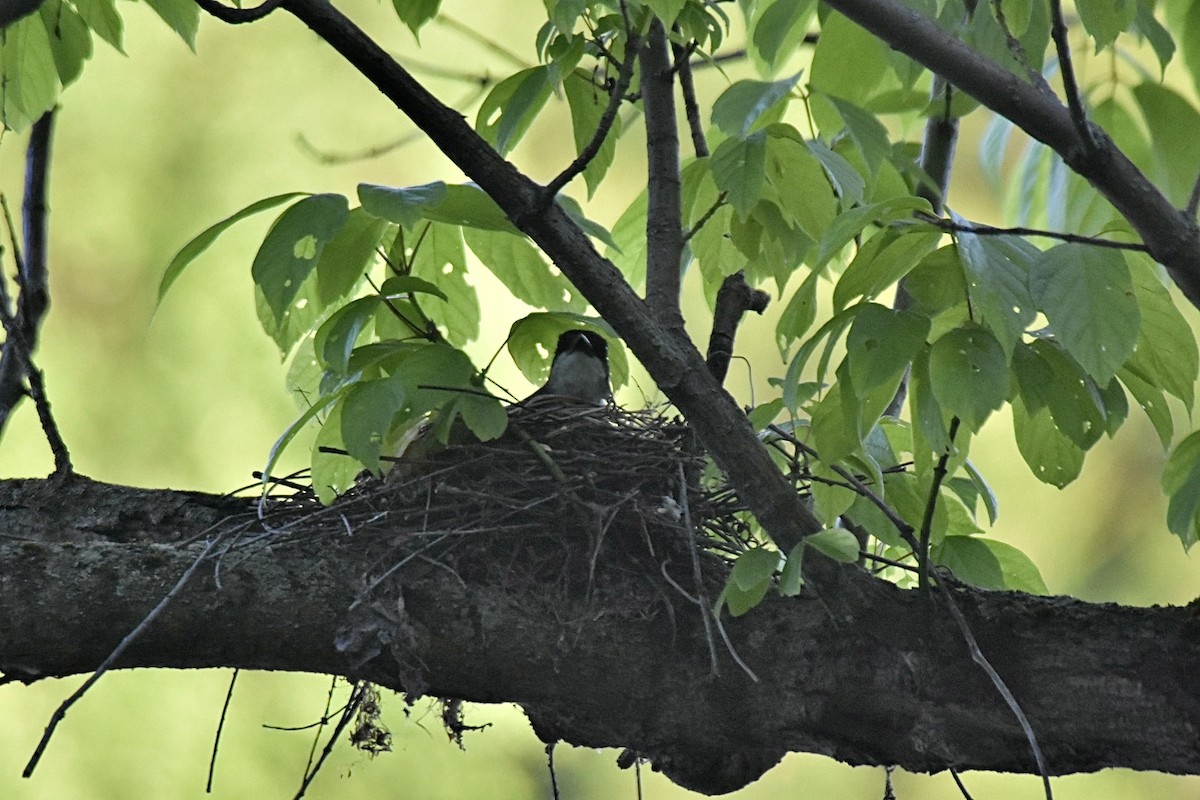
(865, 673)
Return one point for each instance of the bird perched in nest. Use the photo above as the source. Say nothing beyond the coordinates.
(579, 370)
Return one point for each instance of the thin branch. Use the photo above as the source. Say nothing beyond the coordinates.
(705, 217)
(61, 712)
(664, 238)
(939, 475)
(691, 108)
(989, 230)
(1194, 200)
(903, 528)
(239, 16)
(937, 155)
(702, 601)
(1058, 30)
(22, 323)
(979, 658)
(356, 698)
(212, 760)
(633, 50)
(491, 45)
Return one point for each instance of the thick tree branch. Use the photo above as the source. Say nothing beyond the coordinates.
(1172, 238)
(868, 674)
(664, 238)
(672, 360)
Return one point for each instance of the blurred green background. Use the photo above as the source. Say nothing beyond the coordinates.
(152, 148)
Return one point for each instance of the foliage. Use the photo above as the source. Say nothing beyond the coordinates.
(813, 193)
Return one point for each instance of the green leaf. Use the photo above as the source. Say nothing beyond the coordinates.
(441, 259)
(1170, 118)
(738, 167)
(29, 72)
(740, 106)
(749, 580)
(468, 205)
(848, 62)
(831, 498)
(989, 564)
(521, 269)
(510, 108)
(201, 243)
(837, 543)
(791, 578)
(849, 224)
(1051, 456)
(866, 131)
(882, 343)
(486, 417)
(1150, 29)
(799, 314)
(754, 567)
(338, 335)
(102, 17)
(798, 177)
(415, 13)
(293, 246)
(1049, 378)
(846, 180)
(1181, 482)
(404, 206)
(368, 411)
(872, 271)
(588, 103)
(403, 285)
(347, 257)
(968, 373)
(183, 17)
(629, 232)
(1151, 400)
(1087, 295)
(70, 39)
(779, 29)
(990, 503)
(1105, 19)
(1166, 350)
(997, 274)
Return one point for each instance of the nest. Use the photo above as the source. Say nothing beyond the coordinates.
(571, 499)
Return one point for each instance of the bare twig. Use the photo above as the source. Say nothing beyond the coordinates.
(239, 16)
(734, 299)
(988, 230)
(664, 238)
(958, 782)
(61, 712)
(212, 761)
(356, 698)
(691, 108)
(1058, 30)
(633, 49)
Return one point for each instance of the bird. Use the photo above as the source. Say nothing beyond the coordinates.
(579, 370)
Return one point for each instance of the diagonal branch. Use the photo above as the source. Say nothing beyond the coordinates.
(1171, 237)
